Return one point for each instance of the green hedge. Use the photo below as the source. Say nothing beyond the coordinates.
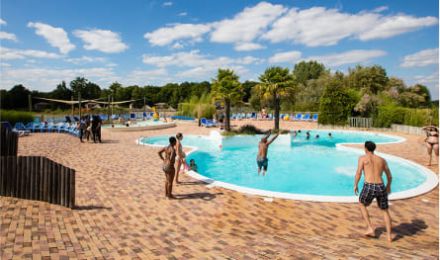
(13, 116)
(388, 115)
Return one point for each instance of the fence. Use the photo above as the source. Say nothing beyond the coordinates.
(8, 142)
(361, 122)
(408, 129)
(37, 178)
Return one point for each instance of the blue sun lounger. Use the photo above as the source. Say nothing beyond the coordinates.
(315, 118)
(298, 116)
(207, 123)
(306, 117)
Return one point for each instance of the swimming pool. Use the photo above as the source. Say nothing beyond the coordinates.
(139, 126)
(318, 169)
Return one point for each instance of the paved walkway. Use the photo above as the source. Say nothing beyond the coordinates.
(122, 212)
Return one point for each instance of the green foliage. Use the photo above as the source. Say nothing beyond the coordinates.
(392, 114)
(276, 83)
(197, 107)
(244, 130)
(307, 70)
(369, 80)
(13, 116)
(16, 98)
(336, 103)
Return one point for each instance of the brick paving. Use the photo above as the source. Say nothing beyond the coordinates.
(122, 213)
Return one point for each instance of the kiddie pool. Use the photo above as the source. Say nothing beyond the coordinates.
(318, 169)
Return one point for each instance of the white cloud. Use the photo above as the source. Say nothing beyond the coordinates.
(183, 14)
(246, 25)
(15, 54)
(348, 57)
(55, 36)
(46, 79)
(248, 46)
(2, 22)
(86, 59)
(319, 26)
(101, 40)
(168, 35)
(177, 46)
(285, 57)
(432, 81)
(421, 58)
(147, 77)
(167, 4)
(4, 64)
(380, 9)
(390, 26)
(8, 36)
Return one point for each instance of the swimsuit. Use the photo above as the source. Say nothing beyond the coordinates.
(262, 162)
(374, 190)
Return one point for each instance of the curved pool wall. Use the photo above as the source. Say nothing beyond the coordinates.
(430, 182)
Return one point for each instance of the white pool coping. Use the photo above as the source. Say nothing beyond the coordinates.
(430, 183)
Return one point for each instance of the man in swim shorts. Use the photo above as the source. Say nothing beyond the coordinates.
(373, 166)
(262, 160)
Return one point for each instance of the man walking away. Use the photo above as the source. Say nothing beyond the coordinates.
(373, 166)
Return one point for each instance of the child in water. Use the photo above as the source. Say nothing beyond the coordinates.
(192, 165)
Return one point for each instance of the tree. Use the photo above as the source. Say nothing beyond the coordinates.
(307, 70)
(370, 80)
(275, 83)
(226, 86)
(78, 86)
(337, 102)
(61, 92)
(17, 97)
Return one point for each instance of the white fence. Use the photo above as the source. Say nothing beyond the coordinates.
(360, 122)
(408, 129)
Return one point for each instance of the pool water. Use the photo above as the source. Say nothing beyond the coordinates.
(296, 165)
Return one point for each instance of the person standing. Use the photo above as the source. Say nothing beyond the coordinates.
(373, 166)
(431, 141)
(82, 127)
(168, 166)
(180, 155)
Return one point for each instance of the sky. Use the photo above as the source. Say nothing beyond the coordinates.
(140, 42)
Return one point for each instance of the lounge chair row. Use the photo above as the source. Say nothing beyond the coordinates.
(70, 128)
(291, 117)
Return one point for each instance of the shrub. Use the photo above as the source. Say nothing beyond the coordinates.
(197, 107)
(392, 114)
(249, 130)
(13, 116)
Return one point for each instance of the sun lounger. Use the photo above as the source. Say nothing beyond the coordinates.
(207, 123)
(298, 116)
(306, 117)
(315, 118)
(20, 128)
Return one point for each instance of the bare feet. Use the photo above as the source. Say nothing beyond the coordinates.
(369, 232)
(391, 237)
(171, 197)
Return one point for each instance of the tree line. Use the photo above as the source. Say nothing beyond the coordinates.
(308, 87)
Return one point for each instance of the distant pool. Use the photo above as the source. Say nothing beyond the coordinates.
(135, 124)
(317, 169)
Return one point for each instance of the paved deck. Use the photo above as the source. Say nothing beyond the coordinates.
(122, 212)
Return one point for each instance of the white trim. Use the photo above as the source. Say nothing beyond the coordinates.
(430, 183)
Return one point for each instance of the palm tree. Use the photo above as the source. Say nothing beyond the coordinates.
(275, 83)
(226, 86)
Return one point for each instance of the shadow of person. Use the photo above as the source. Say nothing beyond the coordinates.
(198, 195)
(105, 141)
(192, 183)
(90, 207)
(404, 229)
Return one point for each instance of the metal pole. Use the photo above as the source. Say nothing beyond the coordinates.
(73, 107)
(112, 109)
(108, 108)
(79, 104)
(30, 102)
(145, 108)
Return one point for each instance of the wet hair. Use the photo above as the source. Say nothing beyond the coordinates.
(172, 140)
(317, 136)
(329, 134)
(192, 161)
(299, 131)
(370, 146)
(179, 135)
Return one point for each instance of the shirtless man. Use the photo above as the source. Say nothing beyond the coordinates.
(262, 160)
(168, 166)
(373, 166)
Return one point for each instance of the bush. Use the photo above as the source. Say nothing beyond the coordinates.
(13, 116)
(392, 114)
(197, 107)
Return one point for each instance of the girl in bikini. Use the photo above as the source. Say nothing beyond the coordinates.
(168, 166)
(431, 141)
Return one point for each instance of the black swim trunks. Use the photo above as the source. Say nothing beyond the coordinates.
(374, 190)
(262, 162)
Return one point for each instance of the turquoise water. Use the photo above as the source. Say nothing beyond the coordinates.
(296, 165)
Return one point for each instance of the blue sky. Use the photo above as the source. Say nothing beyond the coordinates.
(156, 42)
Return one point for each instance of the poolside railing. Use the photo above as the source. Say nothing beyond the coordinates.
(360, 122)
